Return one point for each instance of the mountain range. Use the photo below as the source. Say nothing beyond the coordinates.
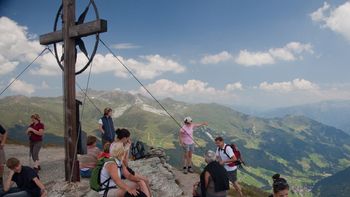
(334, 113)
(301, 149)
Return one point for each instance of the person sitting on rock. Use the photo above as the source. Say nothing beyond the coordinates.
(88, 162)
(280, 186)
(114, 170)
(214, 180)
(26, 179)
(123, 136)
(105, 153)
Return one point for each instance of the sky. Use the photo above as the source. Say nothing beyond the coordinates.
(256, 54)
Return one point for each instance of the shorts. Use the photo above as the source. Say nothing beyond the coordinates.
(2, 156)
(232, 176)
(188, 147)
(85, 173)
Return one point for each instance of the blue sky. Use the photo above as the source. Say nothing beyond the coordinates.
(261, 54)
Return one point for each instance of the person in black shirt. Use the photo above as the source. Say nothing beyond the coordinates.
(3, 137)
(26, 179)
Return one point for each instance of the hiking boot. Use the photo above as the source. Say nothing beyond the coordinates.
(185, 170)
(190, 170)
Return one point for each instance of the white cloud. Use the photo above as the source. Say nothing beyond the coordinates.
(15, 46)
(271, 56)
(22, 87)
(191, 91)
(338, 19)
(122, 46)
(234, 86)
(217, 58)
(146, 67)
(296, 84)
(247, 58)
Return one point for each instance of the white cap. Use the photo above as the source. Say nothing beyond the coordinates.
(187, 119)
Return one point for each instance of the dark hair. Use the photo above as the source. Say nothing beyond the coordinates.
(122, 133)
(12, 163)
(106, 111)
(106, 147)
(219, 139)
(91, 140)
(279, 184)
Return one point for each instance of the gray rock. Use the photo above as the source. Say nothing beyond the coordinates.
(154, 167)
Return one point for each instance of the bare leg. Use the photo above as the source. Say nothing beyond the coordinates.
(189, 157)
(238, 188)
(146, 181)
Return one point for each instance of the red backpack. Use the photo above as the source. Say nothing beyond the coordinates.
(237, 153)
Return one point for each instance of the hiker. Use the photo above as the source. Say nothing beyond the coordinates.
(280, 186)
(35, 132)
(88, 162)
(187, 143)
(3, 138)
(114, 170)
(105, 153)
(26, 179)
(213, 180)
(106, 126)
(227, 158)
(123, 136)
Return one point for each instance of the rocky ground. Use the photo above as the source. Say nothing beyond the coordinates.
(164, 179)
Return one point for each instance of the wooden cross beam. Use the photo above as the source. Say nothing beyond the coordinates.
(68, 34)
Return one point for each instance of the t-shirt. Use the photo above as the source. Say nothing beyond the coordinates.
(24, 181)
(90, 159)
(221, 154)
(186, 134)
(34, 137)
(2, 130)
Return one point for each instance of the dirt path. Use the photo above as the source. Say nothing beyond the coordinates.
(186, 181)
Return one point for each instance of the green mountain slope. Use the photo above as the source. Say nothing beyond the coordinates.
(335, 185)
(303, 150)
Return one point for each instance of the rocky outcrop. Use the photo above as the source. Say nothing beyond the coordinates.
(154, 167)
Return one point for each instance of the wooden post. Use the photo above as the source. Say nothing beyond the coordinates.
(68, 34)
(70, 126)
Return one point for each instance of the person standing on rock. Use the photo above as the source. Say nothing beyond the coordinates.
(187, 142)
(227, 158)
(35, 132)
(106, 127)
(3, 137)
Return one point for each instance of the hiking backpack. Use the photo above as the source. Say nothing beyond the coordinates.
(138, 150)
(95, 179)
(237, 154)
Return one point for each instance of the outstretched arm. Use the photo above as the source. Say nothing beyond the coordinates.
(195, 125)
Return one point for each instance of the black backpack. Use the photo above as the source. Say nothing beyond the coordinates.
(138, 150)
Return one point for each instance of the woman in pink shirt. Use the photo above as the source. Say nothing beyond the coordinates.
(187, 143)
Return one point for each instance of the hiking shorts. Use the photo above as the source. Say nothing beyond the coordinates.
(2, 156)
(188, 147)
(232, 176)
(34, 148)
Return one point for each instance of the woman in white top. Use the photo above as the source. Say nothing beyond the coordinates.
(113, 171)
